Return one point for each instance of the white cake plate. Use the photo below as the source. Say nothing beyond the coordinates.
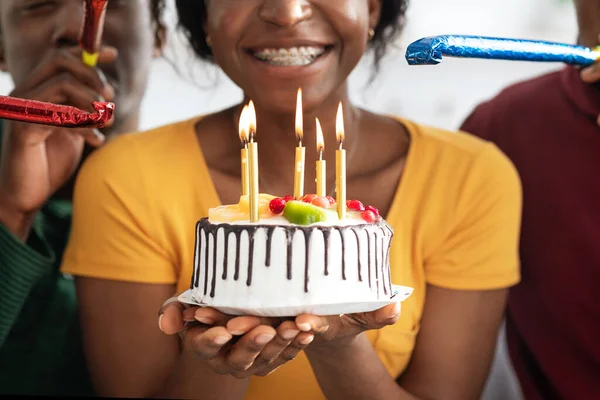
(399, 293)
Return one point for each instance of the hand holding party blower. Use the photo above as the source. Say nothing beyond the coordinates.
(93, 26)
(429, 50)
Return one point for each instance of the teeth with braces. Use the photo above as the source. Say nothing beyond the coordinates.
(294, 56)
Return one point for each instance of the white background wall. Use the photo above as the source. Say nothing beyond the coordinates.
(441, 95)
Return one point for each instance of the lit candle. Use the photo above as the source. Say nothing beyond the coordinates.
(243, 129)
(340, 165)
(321, 164)
(252, 163)
(299, 159)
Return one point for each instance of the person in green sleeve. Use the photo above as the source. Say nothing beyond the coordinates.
(40, 345)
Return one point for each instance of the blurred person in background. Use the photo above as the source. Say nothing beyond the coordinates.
(40, 344)
(548, 126)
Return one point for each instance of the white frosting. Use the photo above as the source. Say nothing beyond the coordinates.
(268, 284)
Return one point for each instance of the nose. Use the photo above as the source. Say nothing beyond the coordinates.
(68, 25)
(285, 13)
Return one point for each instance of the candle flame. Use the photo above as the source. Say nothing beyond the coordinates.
(299, 117)
(251, 121)
(243, 126)
(339, 125)
(320, 140)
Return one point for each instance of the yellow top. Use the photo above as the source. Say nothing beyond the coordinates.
(456, 217)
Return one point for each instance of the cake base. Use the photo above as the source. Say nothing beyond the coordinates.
(399, 293)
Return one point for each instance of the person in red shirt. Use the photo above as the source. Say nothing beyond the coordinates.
(548, 126)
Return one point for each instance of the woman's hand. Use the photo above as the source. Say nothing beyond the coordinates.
(245, 346)
(340, 329)
(38, 159)
(238, 346)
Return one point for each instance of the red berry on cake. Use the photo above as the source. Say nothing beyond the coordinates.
(355, 205)
(288, 198)
(308, 198)
(332, 201)
(369, 216)
(373, 209)
(321, 201)
(277, 205)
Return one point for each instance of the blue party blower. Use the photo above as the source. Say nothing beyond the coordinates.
(430, 50)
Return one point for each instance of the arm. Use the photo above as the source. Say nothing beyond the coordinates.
(22, 265)
(35, 161)
(124, 272)
(451, 359)
(467, 274)
(128, 355)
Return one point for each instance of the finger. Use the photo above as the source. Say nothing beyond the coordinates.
(170, 317)
(189, 314)
(244, 352)
(314, 323)
(286, 333)
(210, 316)
(93, 137)
(377, 319)
(206, 343)
(107, 55)
(299, 343)
(387, 315)
(63, 89)
(591, 74)
(65, 62)
(241, 325)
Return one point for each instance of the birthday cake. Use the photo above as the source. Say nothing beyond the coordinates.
(299, 255)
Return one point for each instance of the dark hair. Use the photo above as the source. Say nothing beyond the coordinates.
(192, 15)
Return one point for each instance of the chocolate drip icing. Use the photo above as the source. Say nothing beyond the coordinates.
(376, 269)
(226, 251)
(326, 234)
(251, 234)
(307, 236)
(206, 263)
(369, 257)
(383, 265)
(289, 239)
(197, 250)
(358, 255)
(343, 254)
(205, 230)
(213, 281)
(268, 254)
(387, 259)
(238, 238)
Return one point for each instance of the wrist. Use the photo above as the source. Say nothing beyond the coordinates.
(336, 348)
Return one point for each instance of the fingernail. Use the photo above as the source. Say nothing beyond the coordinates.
(205, 320)
(396, 309)
(307, 340)
(305, 327)
(289, 334)
(160, 322)
(221, 340)
(263, 339)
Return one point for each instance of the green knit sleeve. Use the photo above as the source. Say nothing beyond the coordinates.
(22, 265)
